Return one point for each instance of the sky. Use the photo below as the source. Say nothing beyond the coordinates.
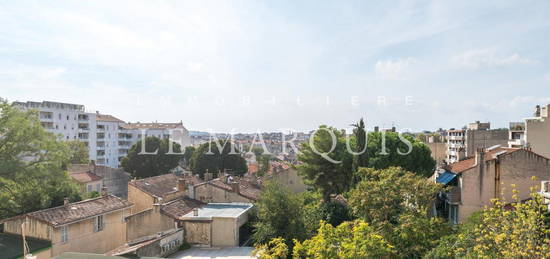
(248, 66)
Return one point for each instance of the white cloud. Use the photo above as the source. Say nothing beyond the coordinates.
(489, 58)
(393, 69)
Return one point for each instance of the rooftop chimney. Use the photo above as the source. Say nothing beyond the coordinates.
(537, 111)
(235, 187)
(182, 184)
(65, 201)
(480, 156)
(104, 191)
(207, 176)
(195, 212)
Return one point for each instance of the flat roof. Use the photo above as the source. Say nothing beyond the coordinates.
(220, 210)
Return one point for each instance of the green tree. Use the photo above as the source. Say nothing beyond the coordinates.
(275, 249)
(518, 230)
(396, 203)
(361, 160)
(263, 162)
(355, 239)
(142, 165)
(326, 164)
(189, 150)
(79, 152)
(32, 164)
(279, 213)
(208, 157)
(383, 195)
(384, 150)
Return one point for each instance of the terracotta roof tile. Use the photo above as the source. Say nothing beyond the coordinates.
(153, 125)
(180, 207)
(76, 211)
(85, 177)
(246, 188)
(469, 163)
(162, 185)
(108, 118)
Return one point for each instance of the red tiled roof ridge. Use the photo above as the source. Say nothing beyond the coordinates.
(470, 162)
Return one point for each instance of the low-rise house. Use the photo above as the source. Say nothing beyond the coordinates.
(114, 179)
(216, 224)
(159, 200)
(227, 189)
(87, 181)
(158, 245)
(90, 226)
(286, 175)
(475, 181)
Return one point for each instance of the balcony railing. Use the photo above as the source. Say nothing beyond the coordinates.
(454, 195)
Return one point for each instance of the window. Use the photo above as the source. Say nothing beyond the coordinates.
(98, 187)
(99, 224)
(453, 214)
(64, 234)
(89, 187)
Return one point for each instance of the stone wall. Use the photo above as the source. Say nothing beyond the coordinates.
(208, 193)
(147, 222)
(83, 239)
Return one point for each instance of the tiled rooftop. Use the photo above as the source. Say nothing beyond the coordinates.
(180, 207)
(153, 125)
(162, 185)
(108, 118)
(469, 163)
(85, 177)
(246, 188)
(76, 211)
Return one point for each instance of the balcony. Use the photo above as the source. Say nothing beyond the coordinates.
(456, 145)
(454, 195)
(455, 137)
(516, 143)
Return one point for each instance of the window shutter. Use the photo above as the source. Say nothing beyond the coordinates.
(95, 224)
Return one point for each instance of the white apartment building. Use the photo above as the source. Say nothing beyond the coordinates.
(107, 137)
(456, 145)
(463, 143)
(537, 131)
(517, 135)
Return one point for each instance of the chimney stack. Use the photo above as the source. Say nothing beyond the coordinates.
(235, 187)
(104, 191)
(207, 176)
(182, 184)
(195, 212)
(65, 201)
(480, 156)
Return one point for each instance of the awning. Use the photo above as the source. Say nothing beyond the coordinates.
(446, 177)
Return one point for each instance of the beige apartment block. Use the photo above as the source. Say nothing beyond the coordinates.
(90, 226)
(227, 189)
(159, 201)
(491, 173)
(537, 131)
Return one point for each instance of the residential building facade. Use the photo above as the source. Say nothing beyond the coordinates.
(90, 226)
(537, 131)
(107, 137)
(491, 173)
(463, 143)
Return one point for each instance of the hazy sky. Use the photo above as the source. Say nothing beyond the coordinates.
(273, 65)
